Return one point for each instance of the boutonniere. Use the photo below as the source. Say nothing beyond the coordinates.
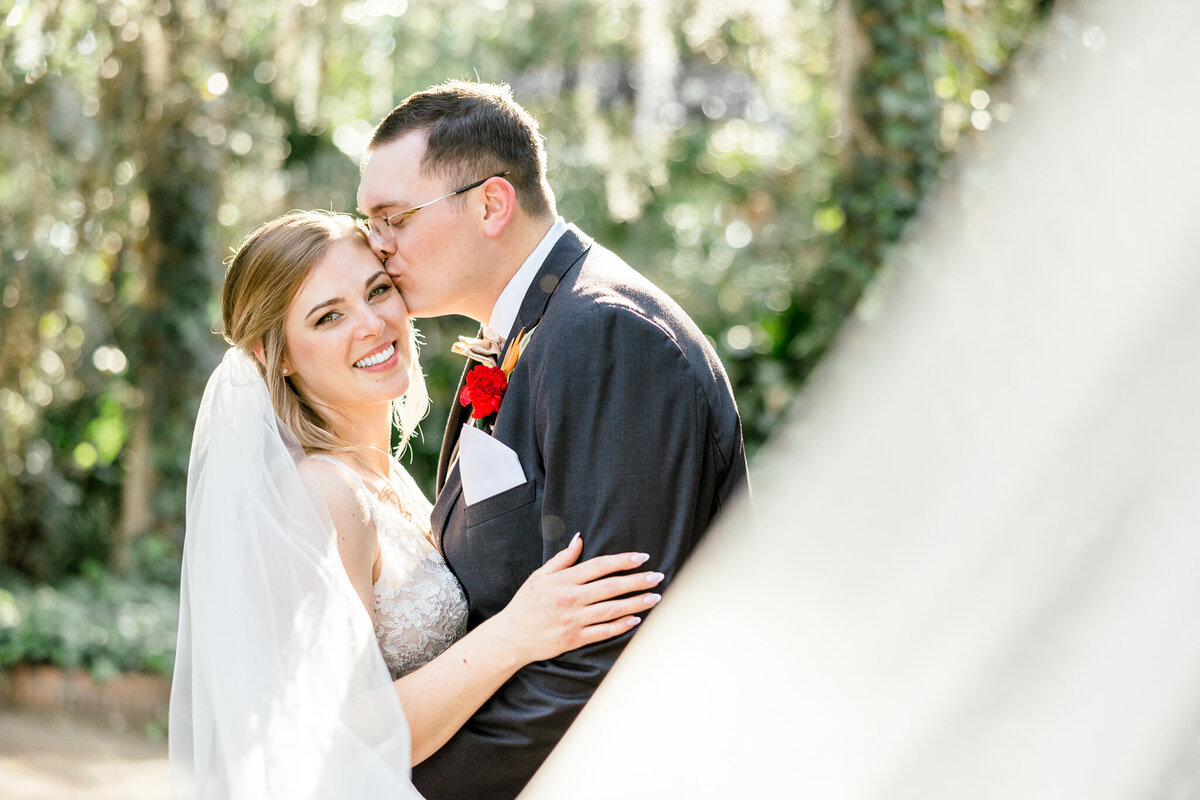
(485, 348)
(486, 383)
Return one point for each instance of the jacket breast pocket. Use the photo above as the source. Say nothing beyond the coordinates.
(508, 527)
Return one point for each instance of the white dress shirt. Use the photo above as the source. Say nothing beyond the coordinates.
(504, 313)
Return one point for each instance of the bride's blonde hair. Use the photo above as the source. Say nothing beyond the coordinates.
(262, 278)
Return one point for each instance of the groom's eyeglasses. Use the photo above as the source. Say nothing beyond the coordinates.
(380, 225)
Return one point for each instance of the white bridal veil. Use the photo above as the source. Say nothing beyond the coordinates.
(976, 572)
(279, 689)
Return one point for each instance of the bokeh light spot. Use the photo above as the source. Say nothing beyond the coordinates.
(109, 359)
(738, 234)
(981, 120)
(830, 219)
(85, 455)
(217, 84)
(739, 337)
(265, 72)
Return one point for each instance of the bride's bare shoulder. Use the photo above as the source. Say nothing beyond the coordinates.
(344, 497)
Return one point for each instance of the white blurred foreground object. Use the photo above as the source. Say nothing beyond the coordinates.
(977, 566)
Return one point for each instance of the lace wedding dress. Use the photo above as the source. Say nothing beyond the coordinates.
(420, 609)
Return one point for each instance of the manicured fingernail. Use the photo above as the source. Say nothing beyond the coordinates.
(640, 558)
(654, 578)
(652, 599)
(573, 538)
(632, 621)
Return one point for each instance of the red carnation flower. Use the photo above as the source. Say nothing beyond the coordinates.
(484, 390)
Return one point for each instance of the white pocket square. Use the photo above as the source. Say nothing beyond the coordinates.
(487, 466)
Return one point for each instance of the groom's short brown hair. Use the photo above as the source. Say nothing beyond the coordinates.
(474, 131)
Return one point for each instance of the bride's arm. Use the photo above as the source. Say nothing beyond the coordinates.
(559, 608)
(357, 539)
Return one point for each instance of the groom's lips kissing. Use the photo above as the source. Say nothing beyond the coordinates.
(381, 358)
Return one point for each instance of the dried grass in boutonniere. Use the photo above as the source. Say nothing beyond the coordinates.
(485, 348)
(514, 352)
(486, 383)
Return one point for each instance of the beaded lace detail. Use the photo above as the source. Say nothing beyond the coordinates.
(420, 609)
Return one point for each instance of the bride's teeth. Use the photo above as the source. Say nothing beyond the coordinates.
(378, 358)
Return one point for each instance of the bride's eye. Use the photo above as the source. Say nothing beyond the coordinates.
(330, 317)
(380, 290)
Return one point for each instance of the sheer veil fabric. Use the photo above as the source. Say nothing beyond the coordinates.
(280, 690)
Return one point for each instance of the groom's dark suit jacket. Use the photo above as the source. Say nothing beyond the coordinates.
(624, 422)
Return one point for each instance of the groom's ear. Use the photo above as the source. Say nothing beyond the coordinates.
(499, 205)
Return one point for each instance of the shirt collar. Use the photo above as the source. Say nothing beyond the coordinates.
(504, 313)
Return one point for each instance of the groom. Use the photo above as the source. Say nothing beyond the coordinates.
(618, 411)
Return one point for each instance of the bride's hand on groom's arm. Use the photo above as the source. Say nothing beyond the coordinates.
(559, 607)
(564, 605)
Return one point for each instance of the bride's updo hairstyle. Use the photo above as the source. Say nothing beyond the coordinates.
(263, 276)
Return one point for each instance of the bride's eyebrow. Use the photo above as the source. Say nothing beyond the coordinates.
(324, 304)
(335, 300)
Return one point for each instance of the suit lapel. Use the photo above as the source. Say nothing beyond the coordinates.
(454, 423)
(567, 251)
(447, 497)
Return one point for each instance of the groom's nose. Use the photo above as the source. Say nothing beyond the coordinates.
(392, 268)
(384, 247)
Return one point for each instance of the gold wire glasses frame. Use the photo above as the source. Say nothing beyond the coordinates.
(372, 224)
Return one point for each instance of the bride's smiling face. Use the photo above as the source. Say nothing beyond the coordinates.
(347, 332)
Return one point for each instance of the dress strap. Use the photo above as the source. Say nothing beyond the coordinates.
(340, 463)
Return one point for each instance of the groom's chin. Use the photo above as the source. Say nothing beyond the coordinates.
(422, 306)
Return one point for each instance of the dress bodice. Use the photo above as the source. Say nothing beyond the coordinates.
(420, 608)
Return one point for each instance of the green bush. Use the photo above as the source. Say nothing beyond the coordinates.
(101, 622)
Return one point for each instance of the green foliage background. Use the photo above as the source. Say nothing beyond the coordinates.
(756, 159)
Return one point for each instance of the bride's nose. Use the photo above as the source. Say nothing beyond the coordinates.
(370, 323)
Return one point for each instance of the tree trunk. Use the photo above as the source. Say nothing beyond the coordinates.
(170, 346)
(136, 490)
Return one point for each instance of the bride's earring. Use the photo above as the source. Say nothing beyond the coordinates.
(285, 370)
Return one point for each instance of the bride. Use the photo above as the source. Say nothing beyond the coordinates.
(322, 638)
